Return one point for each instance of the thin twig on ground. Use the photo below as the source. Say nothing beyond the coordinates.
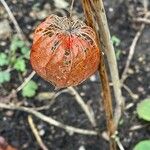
(18, 29)
(70, 90)
(78, 98)
(133, 96)
(131, 53)
(138, 127)
(25, 81)
(51, 100)
(119, 144)
(71, 7)
(129, 105)
(36, 133)
(142, 20)
(83, 105)
(134, 43)
(73, 91)
(47, 119)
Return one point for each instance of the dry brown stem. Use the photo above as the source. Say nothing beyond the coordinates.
(108, 48)
(107, 102)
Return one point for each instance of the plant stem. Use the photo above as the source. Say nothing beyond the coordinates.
(108, 48)
(107, 102)
(71, 7)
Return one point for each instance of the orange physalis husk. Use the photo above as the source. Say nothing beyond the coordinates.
(64, 51)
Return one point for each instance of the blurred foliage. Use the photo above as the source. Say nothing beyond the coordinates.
(30, 89)
(116, 42)
(143, 109)
(15, 60)
(20, 65)
(3, 59)
(143, 145)
(4, 76)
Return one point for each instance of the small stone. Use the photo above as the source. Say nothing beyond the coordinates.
(81, 148)
(5, 29)
(41, 132)
(3, 43)
(111, 9)
(82, 94)
(141, 90)
(42, 14)
(47, 6)
(93, 78)
(9, 113)
(140, 59)
(61, 4)
(130, 71)
(147, 69)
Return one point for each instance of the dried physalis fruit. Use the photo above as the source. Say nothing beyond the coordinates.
(64, 51)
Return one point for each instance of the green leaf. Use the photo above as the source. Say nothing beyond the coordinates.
(143, 109)
(30, 89)
(27, 55)
(13, 45)
(3, 59)
(115, 40)
(143, 145)
(20, 43)
(20, 65)
(16, 43)
(4, 77)
(118, 53)
(26, 52)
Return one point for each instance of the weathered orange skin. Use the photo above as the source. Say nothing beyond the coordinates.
(63, 56)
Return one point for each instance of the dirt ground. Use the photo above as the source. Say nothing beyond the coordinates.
(14, 126)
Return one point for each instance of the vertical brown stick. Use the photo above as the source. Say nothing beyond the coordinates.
(108, 48)
(107, 102)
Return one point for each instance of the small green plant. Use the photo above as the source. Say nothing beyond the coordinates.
(20, 64)
(116, 42)
(3, 59)
(16, 59)
(143, 111)
(19, 52)
(4, 76)
(17, 44)
(30, 89)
